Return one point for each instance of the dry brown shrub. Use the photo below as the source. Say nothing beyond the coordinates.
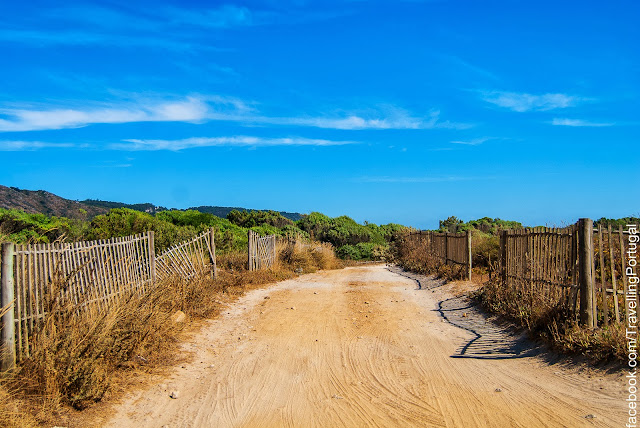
(554, 323)
(74, 352)
(12, 411)
(324, 256)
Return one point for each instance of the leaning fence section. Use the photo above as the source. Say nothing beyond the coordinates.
(188, 259)
(87, 275)
(445, 248)
(261, 251)
(540, 266)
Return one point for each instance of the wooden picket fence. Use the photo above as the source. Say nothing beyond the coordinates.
(609, 275)
(261, 251)
(578, 268)
(540, 265)
(446, 248)
(88, 275)
(190, 258)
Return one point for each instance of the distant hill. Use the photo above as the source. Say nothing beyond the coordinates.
(41, 201)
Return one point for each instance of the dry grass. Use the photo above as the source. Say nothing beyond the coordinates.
(543, 318)
(78, 359)
(411, 255)
(307, 257)
(554, 324)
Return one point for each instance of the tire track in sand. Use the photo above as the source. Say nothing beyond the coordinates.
(363, 347)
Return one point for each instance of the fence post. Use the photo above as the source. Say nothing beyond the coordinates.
(275, 255)
(152, 256)
(249, 242)
(446, 248)
(469, 251)
(7, 336)
(585, 260)
(503, 256)
(212, 248)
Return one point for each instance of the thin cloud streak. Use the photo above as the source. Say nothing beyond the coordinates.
(24, 146)
(199, 109)
(97, 25)
(235, 141)
(474, 142)
(578, 123)
(226, 16)
(397, 120)
(43, 38)
(473, 68)
(188, 110)
(523, 102)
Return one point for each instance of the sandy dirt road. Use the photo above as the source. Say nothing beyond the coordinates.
(363, 347)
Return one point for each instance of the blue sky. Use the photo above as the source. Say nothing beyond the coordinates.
(386, 111)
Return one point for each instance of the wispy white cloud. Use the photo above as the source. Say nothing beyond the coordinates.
(578, 123)
(474, 142)
(395, 118)
(522, 102)
(160, 18)
(197, 109)
(18, 146)
(45, 38)
(225, 16)
(479, 71)
(234, 141)
(191, 109)
(353, 122)
(94, 16)
(174, 28)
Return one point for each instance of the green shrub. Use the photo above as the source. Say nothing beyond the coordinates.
(21, 227)
(121, 222)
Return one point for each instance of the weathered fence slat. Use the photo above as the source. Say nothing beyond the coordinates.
(89, 275)
(187, 259)
(613, 276)
(603, 284)
(7, 337)
(446, 248)
(585, 259)
(261, 251)
(537, 265)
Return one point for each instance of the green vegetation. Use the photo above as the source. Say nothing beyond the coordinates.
(146, 207)
(484, 224)
(21, 227)
(352, 240)
(616, 223)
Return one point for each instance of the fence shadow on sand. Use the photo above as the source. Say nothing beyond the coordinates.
(491, 340)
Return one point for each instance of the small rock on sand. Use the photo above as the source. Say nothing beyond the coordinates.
(178, 317)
